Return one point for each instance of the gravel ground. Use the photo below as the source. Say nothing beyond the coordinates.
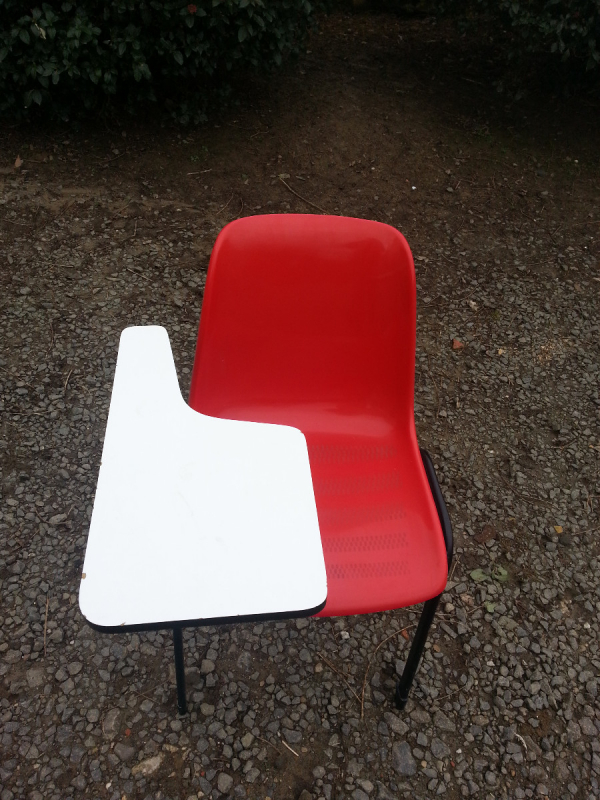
(505, 704)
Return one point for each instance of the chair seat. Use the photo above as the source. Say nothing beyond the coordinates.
(380, 531)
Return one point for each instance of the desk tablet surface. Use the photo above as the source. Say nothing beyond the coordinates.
(195, 518)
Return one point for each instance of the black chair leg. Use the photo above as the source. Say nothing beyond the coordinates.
(179, 670)
(429, 609)
(416, 651)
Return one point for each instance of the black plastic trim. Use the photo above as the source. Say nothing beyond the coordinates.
(197, 623)
(439, 504)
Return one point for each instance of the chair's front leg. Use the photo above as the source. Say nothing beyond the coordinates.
(416, 651)
(179, 670)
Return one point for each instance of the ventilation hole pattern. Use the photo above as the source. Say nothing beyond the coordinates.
(361, 515)
(386, 569)
(327, 454)
(359, 483)
(351, 544)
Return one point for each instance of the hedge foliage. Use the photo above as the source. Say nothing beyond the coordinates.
(568, 28)
(64, 56)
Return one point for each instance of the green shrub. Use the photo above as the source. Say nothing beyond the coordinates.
(569, 29)
(61, 57)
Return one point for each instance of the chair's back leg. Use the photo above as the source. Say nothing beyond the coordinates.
(179, 670)
(429, 609)
(416, 651)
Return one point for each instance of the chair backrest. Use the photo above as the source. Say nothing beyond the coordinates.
(309, 321)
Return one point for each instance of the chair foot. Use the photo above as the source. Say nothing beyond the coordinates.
(179, 670)
(400, 700)
(416, 651)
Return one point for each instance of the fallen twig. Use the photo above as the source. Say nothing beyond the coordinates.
(527, 499)
(341, 674)
(442, 615)
(110, 160)
(453, 568)
(116, 214)
(141, 694)
(285, 744)
(67, 379)
(14, 222)
(266, 741)
(3, 369)
(225, 206)
(258, 133)
(521, 739)
(139, 274)
(304, 200)
(364, 686)
(64, 207)
(446, 696)
(46, 624)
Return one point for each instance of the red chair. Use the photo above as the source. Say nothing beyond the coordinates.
(310, 321)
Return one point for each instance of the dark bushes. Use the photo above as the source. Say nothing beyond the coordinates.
(567, 28)
(62, 57)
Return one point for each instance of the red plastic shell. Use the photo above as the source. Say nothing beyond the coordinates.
(310, 321)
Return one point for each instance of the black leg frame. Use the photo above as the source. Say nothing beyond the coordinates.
(430, 607)
(179, 670)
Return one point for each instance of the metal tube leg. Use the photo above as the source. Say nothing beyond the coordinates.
(179, 670)
(416, 651)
